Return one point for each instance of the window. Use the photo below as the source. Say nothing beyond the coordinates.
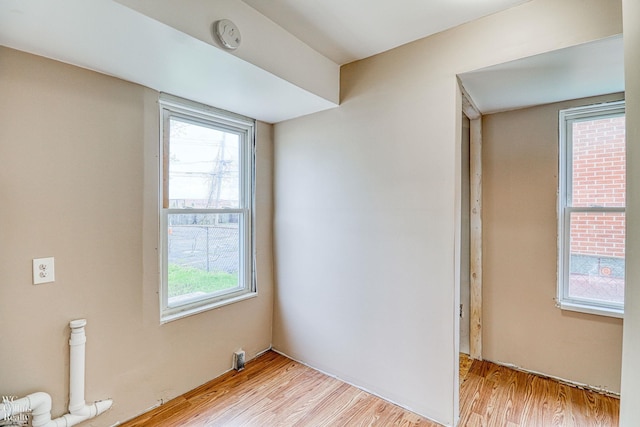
(592, 209)
(206, 192)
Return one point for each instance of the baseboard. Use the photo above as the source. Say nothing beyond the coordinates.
(582, 386)
(163, 401)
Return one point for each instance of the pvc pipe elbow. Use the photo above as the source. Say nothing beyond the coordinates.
(17, 406)
(40, 404)
(83, 414)
(103, 405)
(94, 409)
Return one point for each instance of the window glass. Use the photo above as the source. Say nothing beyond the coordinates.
(598, 160)
(591, 216)
(204, 169)
(203, 255)
(206, 187)
(596, 272)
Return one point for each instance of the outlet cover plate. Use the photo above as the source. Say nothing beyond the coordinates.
(43, 271)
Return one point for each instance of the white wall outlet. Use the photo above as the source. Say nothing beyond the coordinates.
(43, 271)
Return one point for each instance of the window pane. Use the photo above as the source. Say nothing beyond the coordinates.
(204, 168)
(203, 255)
(596, 264)
(598, 163)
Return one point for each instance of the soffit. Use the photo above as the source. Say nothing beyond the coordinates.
(590, 69)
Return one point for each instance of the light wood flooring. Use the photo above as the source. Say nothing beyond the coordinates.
(276, 391)
(493, 395)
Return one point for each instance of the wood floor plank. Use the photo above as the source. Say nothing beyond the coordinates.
(351, 414)
(505, 399)
(465, 365)
(563, 415)
(521, 393)
(276, 391)
(352, 397)
(240, 402)
(333, 404)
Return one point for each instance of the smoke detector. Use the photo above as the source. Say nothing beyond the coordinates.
(227, 33)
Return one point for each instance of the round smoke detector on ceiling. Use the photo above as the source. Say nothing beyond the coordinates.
(227, 33)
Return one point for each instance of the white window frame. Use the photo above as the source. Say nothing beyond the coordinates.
(566, 119)
(244, 127)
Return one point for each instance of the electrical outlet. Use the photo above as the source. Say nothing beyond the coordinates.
(43, 271)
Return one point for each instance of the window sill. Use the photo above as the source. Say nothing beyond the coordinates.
(172, 315)
(590, 309)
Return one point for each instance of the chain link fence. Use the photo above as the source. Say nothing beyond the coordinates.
(594, 277)
(205, 242)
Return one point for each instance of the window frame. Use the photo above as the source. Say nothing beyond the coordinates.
(200, 114)
(566, 118)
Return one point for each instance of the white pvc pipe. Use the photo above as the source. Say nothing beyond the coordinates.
(76, 365)
(36, 402)
(85, 413)
(39, 404)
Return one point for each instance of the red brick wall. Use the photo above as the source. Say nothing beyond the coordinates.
(598, 180)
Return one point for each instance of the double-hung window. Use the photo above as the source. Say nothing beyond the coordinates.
(206, 188)
(591, 217)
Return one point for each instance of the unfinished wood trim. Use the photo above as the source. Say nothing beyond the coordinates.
(475, 239)
(468, 107)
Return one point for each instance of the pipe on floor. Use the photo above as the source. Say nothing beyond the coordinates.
(39, 403)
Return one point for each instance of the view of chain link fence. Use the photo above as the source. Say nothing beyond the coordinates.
(205, 242)
(600, 278)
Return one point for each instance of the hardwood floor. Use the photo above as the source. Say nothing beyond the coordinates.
(493, 395)
(276, 391)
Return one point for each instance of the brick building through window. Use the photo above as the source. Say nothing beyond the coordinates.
(592, 203)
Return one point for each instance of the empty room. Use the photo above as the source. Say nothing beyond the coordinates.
(246, 212)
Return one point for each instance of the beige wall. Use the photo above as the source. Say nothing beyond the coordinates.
(368, 206)
(629, 408)
(78, 181)
(522, 325)
(367, 209)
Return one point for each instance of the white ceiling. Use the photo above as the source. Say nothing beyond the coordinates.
(148, 46)
(348, 30)
(589, 69)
